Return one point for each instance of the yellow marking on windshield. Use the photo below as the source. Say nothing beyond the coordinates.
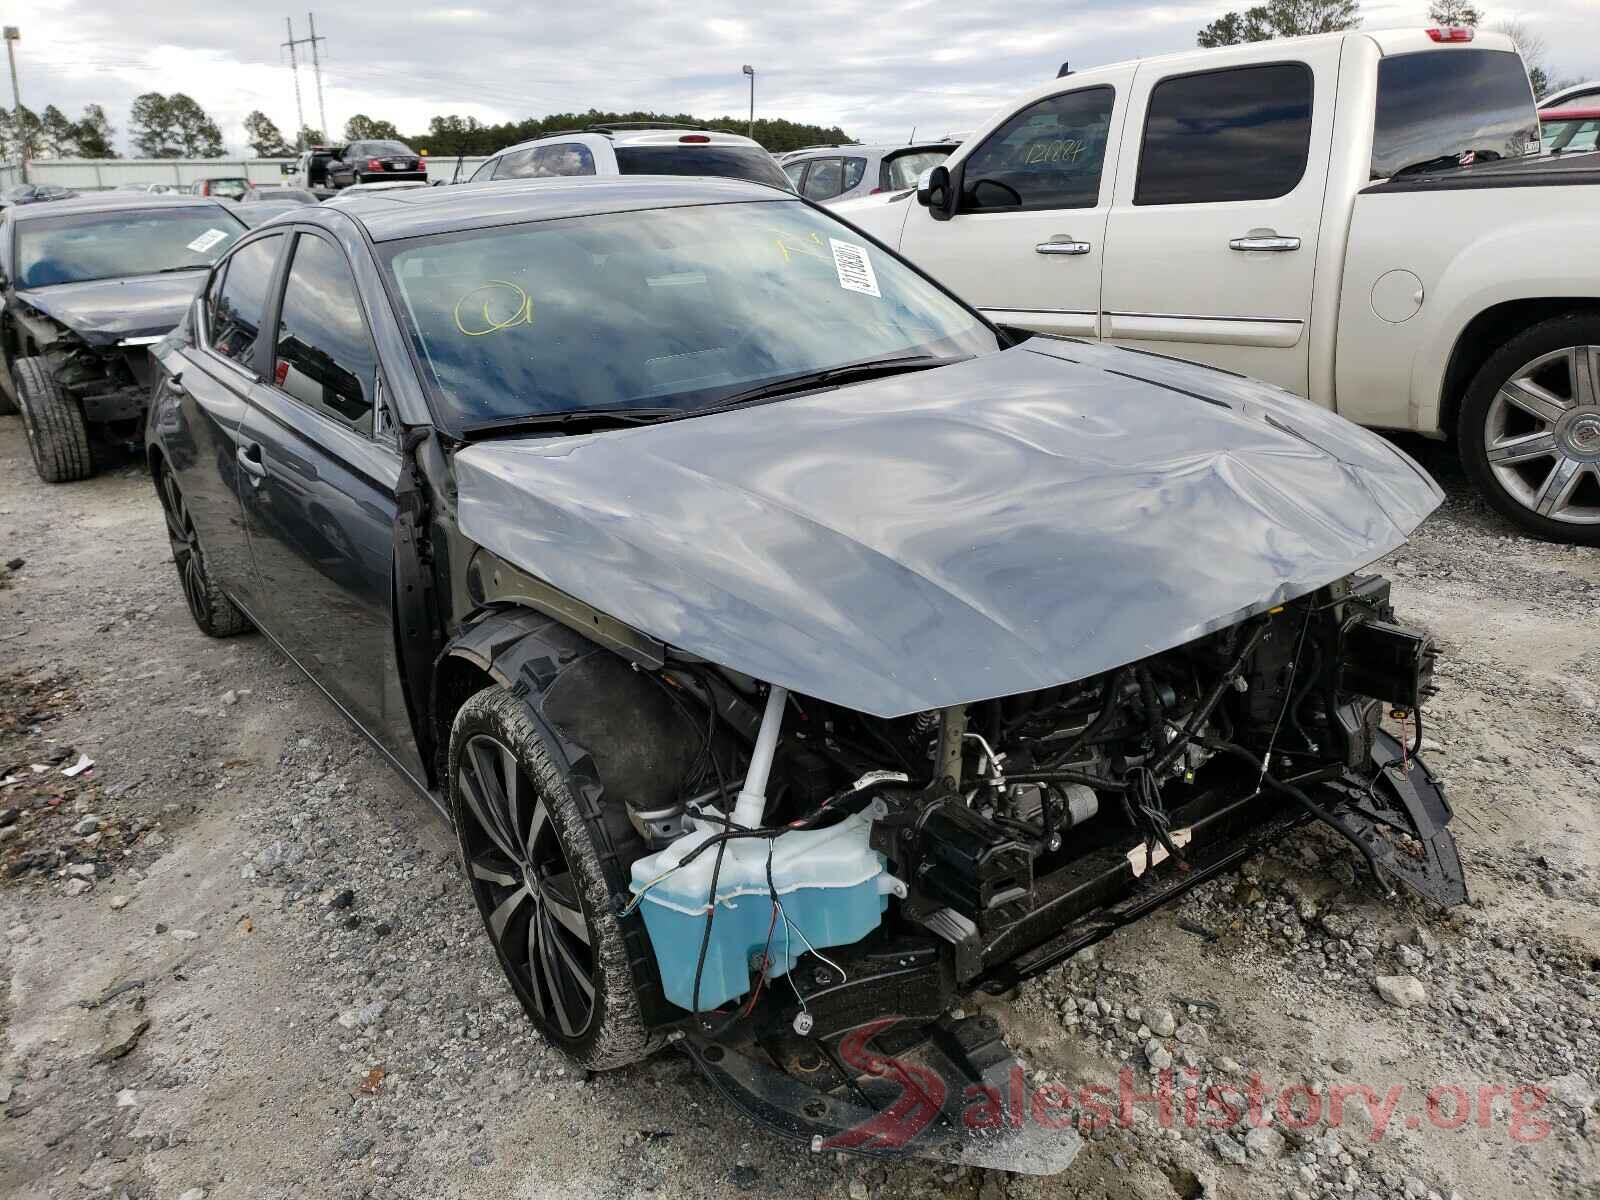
(789, 244)
(495, 289)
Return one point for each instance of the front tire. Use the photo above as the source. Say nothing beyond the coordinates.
(1529, 429)
(543, 868)
(58, 436)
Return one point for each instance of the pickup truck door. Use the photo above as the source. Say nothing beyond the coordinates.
(1026, 239)
(1212, 241)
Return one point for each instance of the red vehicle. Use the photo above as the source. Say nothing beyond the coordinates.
(1572, 130)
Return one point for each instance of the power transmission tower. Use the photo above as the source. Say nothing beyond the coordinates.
(316, 67)
(294, 69)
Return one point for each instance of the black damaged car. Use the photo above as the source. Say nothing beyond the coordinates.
(792, 650)
(86, 287)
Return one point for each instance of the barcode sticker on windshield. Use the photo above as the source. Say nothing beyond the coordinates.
(854, 267)
(207, 240)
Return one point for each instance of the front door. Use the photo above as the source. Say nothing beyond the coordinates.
(1212, 242)
(1028, 236)
(320, 473)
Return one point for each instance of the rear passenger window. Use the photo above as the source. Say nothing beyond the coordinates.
(1047, 156)
(825, 180)
(323, 355)
(242, 299)
(1239, 134)
(540, 162)
(854, 168)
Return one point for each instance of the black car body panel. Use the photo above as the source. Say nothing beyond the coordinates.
(1041, 520)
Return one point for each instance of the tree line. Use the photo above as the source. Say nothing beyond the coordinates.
(1291, 18)
(176, 126)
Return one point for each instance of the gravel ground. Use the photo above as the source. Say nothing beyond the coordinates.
(239, 960)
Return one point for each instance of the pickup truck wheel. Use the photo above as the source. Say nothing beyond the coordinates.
(58, 436)
(543, 864)
(215, 614)
(1530, 429)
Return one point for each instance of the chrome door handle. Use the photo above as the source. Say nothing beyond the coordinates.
(1063, 246)
(250, 461)
(1269, 243)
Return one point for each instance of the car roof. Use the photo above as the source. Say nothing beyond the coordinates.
(641, 133)
(112, 202)
(851, 148)
(418, 212)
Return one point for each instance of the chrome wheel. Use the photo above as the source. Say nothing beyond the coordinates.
(524, 886)
(1541, 435)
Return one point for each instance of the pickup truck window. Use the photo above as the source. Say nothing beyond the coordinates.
(1047, 156)
(1243, 133)
(1439, 110)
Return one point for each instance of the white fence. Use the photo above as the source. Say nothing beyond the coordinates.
(91, 174)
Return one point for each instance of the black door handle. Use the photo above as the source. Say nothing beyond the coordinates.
(175, 385)
(250, 460)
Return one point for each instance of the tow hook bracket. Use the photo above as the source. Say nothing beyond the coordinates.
(950, 1091)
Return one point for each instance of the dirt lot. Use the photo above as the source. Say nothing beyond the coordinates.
(239, 962)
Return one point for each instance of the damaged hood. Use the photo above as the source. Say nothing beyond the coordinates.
(104, 311)
(1009, 523)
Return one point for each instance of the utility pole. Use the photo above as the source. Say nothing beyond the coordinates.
(294, 69)
(316, 67)
(751, 71)
(13, 35)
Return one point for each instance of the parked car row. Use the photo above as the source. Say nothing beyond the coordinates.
(773, 594)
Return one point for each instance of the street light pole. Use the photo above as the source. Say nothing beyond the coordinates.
(751, 71)
(13, 35)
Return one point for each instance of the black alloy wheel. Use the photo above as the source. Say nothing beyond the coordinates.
(524, 886)
(542, 863)
(212, 610)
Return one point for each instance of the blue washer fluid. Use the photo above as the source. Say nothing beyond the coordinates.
(831, 885)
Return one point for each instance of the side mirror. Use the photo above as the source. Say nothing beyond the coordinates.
(936, 194)
(286, 168)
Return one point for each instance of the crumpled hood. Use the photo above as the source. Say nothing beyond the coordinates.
(1013, 522)
(104, 311)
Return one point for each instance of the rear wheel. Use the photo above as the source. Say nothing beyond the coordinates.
(1530, 429)
(542, 870)
(215, 614)
(58, 436)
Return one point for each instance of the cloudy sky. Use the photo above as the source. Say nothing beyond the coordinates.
(875, 67)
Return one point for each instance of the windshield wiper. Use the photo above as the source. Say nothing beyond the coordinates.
(191, 267)
(849, 373)
(571, 420)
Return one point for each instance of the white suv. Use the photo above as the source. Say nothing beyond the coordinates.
(635, 148)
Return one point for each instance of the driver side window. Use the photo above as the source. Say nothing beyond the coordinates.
(1047, 156)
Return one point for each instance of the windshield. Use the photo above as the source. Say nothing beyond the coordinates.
(1570, 135)
(733, 162)
(109, 245)
(1441, 109)
(679, 308)
(905, 170)
(231, 189)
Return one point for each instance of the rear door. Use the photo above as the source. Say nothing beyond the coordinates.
(320, 470)
(1026, 242)
(1212, 242)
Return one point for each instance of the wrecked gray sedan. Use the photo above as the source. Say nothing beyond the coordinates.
(792, 650)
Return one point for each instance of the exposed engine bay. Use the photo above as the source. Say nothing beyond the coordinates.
(1009, 833)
